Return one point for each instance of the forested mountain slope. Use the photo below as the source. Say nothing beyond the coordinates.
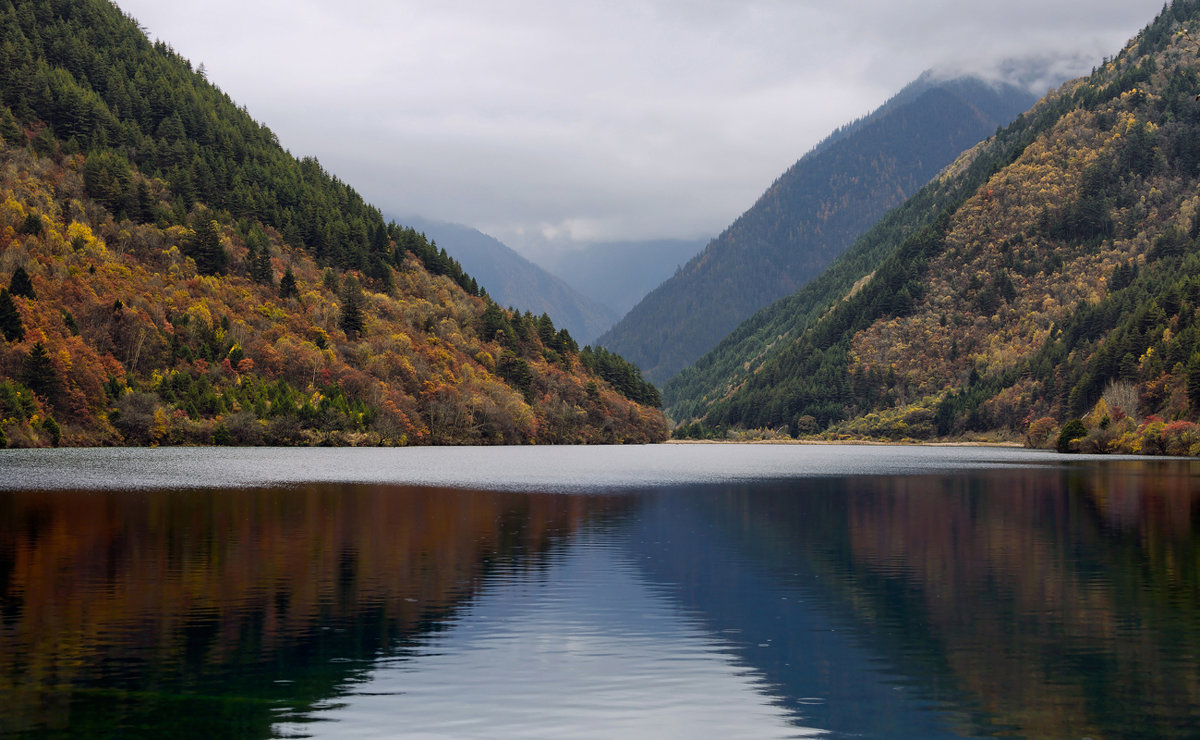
(512, 280)
(809, 216)
(1053, 273)
(169, 274)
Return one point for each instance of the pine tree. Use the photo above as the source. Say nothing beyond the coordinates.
(494, 321)
(109, 181)
(21, 284)
(53, 429)
(287, 285)
(352, 321)
(39, 373)
(1193, 381)
(330, 280)
(143, 203)
(260, 257)
(261, 269)
(380, 274)
(32, 224)
(9, 129)
(10, 318)
(206, 249)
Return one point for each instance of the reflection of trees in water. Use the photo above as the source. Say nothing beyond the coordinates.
(126, 604)
(1063, 603)
(1047, 603)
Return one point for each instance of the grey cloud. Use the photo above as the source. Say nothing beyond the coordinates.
(539, 119)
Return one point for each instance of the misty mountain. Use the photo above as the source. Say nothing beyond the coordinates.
(810, 215)
(619, 274)
(1046, 286)
(512, 280)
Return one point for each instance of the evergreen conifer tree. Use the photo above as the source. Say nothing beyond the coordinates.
(109, 181)
(39, 373)
(287, 285)
(9, 130)
(330, 280)
(1193, 381)
(381, 274)
(495, 321)
(258, 265)
(53, 429)
(32, 224)
(260, 257)
(10, 318)
(21, 284)
(352, 320)
(205, 247)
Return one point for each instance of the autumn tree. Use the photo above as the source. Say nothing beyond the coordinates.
(134, 417)
(1040, 432)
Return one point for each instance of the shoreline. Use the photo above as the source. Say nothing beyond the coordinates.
(849, 442)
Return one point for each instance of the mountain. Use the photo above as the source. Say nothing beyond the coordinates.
(809, 216)
(1046, 286)
(512, 280)
(174, 276)
(619, 274)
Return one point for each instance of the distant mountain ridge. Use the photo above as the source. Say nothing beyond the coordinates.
(969, 86)
(809, 215)
(619, 274)
(514, 281)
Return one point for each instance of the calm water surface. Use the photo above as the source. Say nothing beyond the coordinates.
(669, 591)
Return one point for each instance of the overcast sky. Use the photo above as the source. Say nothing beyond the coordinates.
(543, 122)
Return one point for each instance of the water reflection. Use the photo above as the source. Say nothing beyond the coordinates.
(585, 649)
(1048, 602)
(204, 613)
(1035, 603)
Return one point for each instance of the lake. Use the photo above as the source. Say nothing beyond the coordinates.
(677, 591)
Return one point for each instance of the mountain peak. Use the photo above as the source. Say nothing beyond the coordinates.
(809, 215)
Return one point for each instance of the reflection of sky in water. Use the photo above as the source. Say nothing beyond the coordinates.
(584, 648)
(532, 468)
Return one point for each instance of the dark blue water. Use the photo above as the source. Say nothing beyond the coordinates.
(701, 591)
